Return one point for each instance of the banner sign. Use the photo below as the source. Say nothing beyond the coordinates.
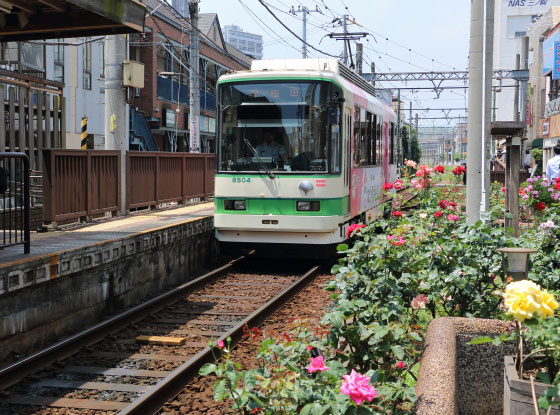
(556, 71)
(528, 3)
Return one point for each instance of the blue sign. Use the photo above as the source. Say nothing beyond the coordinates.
(556, 71)
(549, 51)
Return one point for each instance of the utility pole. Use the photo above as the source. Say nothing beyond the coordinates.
(346, 51)
(305, 12)
(116, 137)
(417, 136)
(410, 134)
(359, 57)
(194, 45)
(480, 97)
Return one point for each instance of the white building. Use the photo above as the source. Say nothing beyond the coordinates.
(512, 20)
(248, 43)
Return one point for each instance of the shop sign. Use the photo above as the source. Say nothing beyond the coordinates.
(556, 71)
(554, 129)
(169, 117)
(552, 107)
(545, 128)
(211, 125)
(549, 51)
(203, 124)
(526, 3)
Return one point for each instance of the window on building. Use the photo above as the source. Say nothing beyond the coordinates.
(87, 65)
(59, 62)
(102, 67)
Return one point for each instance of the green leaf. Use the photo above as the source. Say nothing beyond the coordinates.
(398, 351)
(207, 369)
(342, 247)
(219, 390)
(481, 340)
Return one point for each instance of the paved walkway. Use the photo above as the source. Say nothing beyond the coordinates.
(103, 230)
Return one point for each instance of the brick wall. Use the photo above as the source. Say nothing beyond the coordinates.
(149, 102)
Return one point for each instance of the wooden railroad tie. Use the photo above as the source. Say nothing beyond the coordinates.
(167, 341)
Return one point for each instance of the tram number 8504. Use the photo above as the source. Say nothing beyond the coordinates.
(241, 180)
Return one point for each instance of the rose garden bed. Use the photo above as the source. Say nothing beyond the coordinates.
(402, 272)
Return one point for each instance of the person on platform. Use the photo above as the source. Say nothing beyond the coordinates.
(270, 148)
(527, 160)
(500, 152)
(553, 165)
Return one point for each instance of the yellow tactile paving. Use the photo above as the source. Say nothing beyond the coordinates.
(147, 217)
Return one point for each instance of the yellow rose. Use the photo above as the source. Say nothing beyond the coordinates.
(524, 299)
(548, 304)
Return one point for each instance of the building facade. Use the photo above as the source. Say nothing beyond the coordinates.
(511, 23)
(248, 43)
(162, 107)
(544, 91)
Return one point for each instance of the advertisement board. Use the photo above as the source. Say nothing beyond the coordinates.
(556, 71)
(549, 51)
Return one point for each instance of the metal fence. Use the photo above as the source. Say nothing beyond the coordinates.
(80, 184)
(154, 178)
(83, 184)
(14, 200)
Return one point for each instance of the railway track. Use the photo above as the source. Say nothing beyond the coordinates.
(135, 362)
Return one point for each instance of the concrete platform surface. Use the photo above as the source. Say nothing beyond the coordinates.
(100, 231)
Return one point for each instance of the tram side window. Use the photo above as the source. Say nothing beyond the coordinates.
(371, 135)
(378, 141)
(357, 138)
(363, 139)
(392, 145)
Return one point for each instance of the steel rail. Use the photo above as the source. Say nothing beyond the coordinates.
(14, 372)
(153, 400)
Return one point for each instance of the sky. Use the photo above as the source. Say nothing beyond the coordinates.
(405, 36)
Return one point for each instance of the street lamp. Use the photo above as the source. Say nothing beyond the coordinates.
(516, 262)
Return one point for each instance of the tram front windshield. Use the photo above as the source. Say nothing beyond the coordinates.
(279, 127)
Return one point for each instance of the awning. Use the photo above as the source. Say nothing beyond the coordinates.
(537, 143)
(47, 19)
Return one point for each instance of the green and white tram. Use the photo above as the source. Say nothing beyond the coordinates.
(303, 150)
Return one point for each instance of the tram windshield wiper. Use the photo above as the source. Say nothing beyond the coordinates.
(258, 158)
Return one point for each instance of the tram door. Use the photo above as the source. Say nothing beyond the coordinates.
(347, 152)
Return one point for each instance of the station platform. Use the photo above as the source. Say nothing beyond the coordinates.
(81, 235)
(80, 273)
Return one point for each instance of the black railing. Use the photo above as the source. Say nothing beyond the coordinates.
(14, 200)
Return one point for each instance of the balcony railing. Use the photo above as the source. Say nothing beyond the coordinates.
(169, 89)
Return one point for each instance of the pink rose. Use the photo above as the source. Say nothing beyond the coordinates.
(419, 302)
(221, 344)
(357, 387)
(401, 364)
(453, 218)
(309, 348)
(388, 186)
(317, 364)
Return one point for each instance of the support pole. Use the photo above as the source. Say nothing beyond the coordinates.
(345, 58)
(516, 98)
(115, 105)
(409, 155)
(304, 46)
(194, 48)
(359, 57)
(480, 94)
(524, 84)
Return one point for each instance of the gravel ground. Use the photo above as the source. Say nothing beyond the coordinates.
(196, 399)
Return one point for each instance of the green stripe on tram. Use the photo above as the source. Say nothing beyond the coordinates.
(281, 78)
(329, 207)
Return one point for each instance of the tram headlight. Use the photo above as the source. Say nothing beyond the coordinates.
(308, 206)
(235, 205)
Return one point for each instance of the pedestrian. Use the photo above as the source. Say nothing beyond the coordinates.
(527, 160)
(553, 165)
(500, 152)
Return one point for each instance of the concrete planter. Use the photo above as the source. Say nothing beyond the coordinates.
(518, 399)
(457, 378)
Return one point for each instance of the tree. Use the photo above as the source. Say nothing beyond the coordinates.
(416, 151)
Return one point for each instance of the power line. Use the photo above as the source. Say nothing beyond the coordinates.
(290, 30)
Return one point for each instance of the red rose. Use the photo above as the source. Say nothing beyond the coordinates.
(540, 206)
(557, 180)
(438, 214)
(353, 228)
(452, 204)
(397, 214)
(439, 169)
(459, 170)
(443, 204)
(503, 189)
(557, 185)
(388, 186)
